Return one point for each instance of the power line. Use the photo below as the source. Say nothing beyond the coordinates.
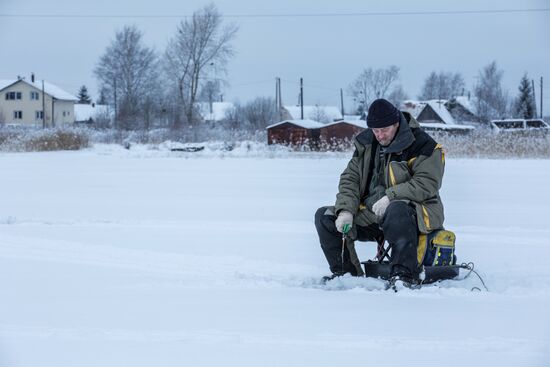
(285, 15)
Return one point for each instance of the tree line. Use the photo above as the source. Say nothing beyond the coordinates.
(148, 88)
(488, 97)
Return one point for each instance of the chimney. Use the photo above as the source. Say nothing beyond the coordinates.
(32, 77)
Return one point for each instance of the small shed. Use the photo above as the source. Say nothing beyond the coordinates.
(294, 132)
(341, 132)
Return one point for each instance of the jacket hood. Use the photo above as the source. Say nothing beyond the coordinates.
(403, 138)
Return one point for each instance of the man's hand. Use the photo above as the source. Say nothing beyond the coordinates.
(379, 208)
(344, 217)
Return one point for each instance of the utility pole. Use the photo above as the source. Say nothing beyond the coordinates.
(43, 107)
(534, 98)
(541, 115)
(116, 112)
(53, 116)
(277, 97)
(280, 106)
(342, 101)
(301, 98)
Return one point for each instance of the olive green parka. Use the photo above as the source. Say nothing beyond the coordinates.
(413, 166)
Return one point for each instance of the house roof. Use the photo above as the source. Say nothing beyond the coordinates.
(84, 112)
(49, 88)
(306, 124)
(465, 102)
(439, 107)
(310, 112)
(4, 83)
(219, 110)
(358, 123)
(415, 108)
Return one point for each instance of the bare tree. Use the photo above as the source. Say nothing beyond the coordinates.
(442, 85)
(491, 101)
(234, 117)
(201, 46)
(128, 70)
(209, 93)
(260, 112)
(372, 84)
(319, 114)
(397, 95)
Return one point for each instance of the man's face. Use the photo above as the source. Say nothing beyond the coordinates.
(385, 135)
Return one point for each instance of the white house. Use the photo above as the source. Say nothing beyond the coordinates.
(88, 113)
(28, 103)
(217, 111)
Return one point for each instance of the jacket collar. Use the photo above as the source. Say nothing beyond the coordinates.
(403, 138)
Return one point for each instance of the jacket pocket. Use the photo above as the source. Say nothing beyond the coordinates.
(398, 173)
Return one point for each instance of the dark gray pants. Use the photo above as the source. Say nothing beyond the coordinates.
(398, 227)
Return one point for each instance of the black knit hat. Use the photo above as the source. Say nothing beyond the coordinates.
(382, 114)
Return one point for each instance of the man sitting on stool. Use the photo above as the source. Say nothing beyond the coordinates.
(389, 190)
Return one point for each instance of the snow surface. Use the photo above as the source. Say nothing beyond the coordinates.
(307, 124)
(113, 257)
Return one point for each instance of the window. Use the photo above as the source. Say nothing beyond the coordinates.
(63, 113)
(536, 124)
(39, 115)
(35, 96)
(18, 115)
(13, 95)
(510, 124)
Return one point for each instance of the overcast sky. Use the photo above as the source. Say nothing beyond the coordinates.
(329, 52)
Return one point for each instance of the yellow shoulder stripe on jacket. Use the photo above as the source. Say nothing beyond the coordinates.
(392, 175)
(439, 146)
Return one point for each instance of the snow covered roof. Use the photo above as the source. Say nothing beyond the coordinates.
(358, 123)
(4, 83)
(219, 110)
(306, 124)
(312, 112)
(465, 102)
(49, 88)
(415, 108)
(85, 112)
(438, 105)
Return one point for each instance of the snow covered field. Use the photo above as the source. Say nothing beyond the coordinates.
(120, 258)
